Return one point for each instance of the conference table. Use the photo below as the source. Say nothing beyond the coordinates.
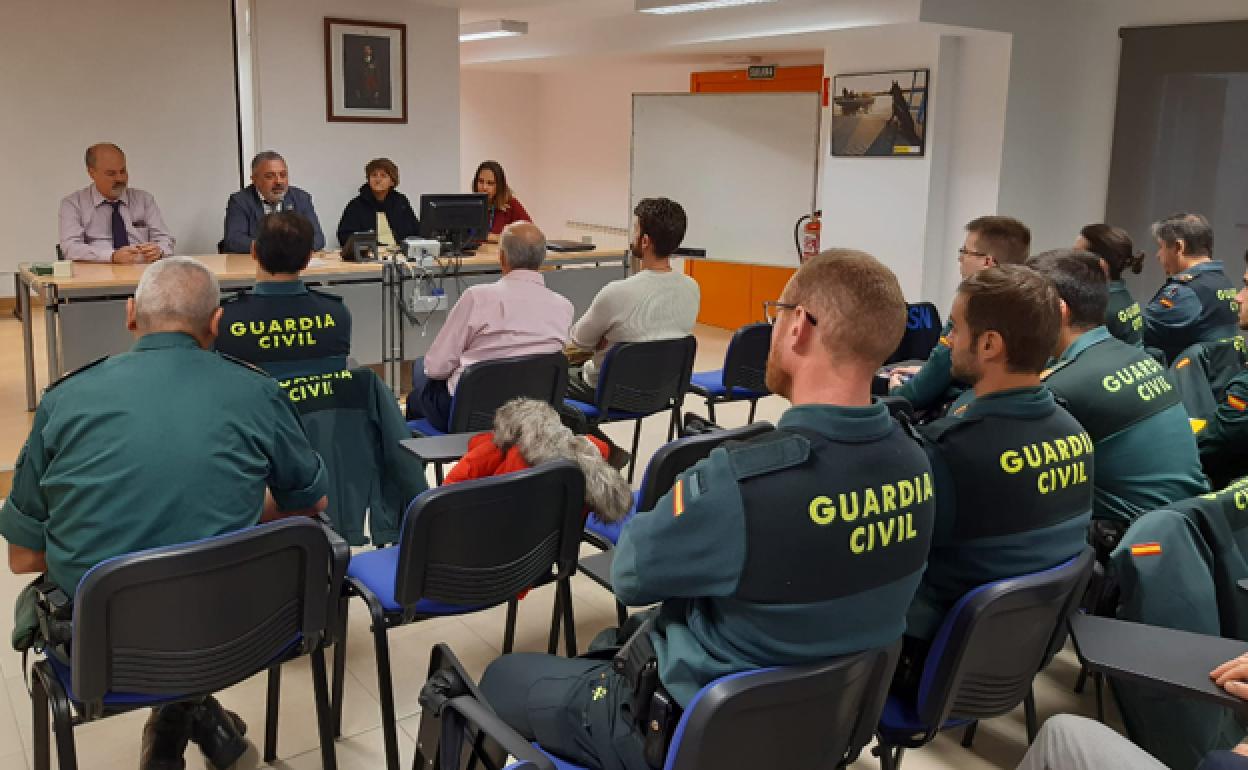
(84, 314)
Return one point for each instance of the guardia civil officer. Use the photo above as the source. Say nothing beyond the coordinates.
(1223, 437)
(1146, 455)
(1197, 302)
(165, 444)
(1112, 245)
(801, 545)
(990, 241)
(281, 325)
(1013, 469)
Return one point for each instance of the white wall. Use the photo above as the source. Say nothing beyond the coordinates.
(165, 96)
(909, 212)
(500, 119)
(1062, 92)
(327, 159)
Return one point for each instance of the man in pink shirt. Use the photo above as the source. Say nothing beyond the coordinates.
(514, 316)
(109, 221)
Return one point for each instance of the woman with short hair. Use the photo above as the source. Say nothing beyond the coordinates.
(379, 207)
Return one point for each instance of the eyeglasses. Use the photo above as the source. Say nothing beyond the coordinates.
(771, 307)
(965, 252)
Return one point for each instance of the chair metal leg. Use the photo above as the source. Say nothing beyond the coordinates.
(968, 736)
(340, 666)
(62, 720)
(1029, 711)
(569, 621)
(753, 410)
(1100, 696)
(271, 703)
(710, 409)
(509, 633)
(385, 684)
(40, 724)
(437, 472)
(632, 461)
(556, 618)
(621, 613)
(1082, 680)
(897, 758)
(324, 717)
(673, 425)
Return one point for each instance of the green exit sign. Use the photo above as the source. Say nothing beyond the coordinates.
(763, 72)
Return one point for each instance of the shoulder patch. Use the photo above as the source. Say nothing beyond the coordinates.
(76, 372)
(937, 430)
(325, 294)
(768, 453)
(1183, 277)
(242, 363)
(238, 294)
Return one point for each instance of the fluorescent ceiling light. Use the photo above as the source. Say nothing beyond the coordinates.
(685, 6)
(485, 30)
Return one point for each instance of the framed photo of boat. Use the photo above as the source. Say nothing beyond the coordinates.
(880, 114)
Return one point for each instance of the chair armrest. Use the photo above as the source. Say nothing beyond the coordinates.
(483, 718)
(340, 556)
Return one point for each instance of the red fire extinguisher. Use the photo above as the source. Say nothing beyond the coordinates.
(806, 236)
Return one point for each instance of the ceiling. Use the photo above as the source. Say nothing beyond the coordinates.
(536, 10)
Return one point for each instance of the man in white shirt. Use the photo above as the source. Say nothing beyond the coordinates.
(514, 316)
(656, 303)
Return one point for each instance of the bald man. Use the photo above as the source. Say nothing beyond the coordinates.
(514, 316)
(108, 221)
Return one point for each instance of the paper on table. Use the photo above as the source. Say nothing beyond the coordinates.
(317, 262)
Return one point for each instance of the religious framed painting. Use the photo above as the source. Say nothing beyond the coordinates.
(365, 71)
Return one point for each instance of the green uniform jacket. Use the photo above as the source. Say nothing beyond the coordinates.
(1146, 456)
(1223, 438)
(1013, 475)
(354, 423)
(930, 385)
(1196, 305)
(287, 329)
(1170, 582)
(846, 525)
(1123, 317)
(165, 444)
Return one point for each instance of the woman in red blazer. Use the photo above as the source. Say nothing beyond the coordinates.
(503, 206)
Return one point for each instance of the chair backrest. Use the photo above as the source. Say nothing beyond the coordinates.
(1203, 371)
(483, 541)
(487, 385)
(814, 716)
(745, 362)
(199, 617)
(981, 664)
(921, 335)
(646, 377)
(675, 457)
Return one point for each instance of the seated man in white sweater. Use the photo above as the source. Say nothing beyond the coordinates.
(655, 303)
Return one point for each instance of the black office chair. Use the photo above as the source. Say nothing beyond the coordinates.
(487, 385)
(743, 377)
(638, 379)
(464, 548)
(171, 624)
(982, 662)
(922, 333)
(817, 716)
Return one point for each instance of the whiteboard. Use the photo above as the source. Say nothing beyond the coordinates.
(744, 166)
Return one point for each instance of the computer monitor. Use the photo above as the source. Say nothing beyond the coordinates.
(457, 219)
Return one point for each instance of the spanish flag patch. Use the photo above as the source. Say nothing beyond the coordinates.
(1166, 303)
(943, 340)
(1146, 549)
(678, 498)
(1182, 362)
(1197, 424)
(1236, 403)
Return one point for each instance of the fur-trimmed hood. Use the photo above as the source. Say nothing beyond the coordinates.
(534, 428)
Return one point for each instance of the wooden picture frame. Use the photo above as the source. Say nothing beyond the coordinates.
(365, 71)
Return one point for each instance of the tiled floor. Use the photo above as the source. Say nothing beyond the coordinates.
(114, 743)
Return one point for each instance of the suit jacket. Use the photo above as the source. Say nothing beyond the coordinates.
(243, 213)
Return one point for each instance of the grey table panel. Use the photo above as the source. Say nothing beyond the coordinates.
(89, 330)
(364, 300)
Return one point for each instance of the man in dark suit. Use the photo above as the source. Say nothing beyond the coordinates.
(269, 192)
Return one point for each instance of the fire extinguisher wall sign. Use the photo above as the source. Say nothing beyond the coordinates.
(806, 236)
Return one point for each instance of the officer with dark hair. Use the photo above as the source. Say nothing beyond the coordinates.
(1197, 302)
(1223, 436)
(1128, 403)
(1013, 469)
(281, 325)
(801, 545)
(990, 241)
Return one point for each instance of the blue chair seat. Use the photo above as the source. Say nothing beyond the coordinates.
(376, 570)
(424, 427)
(593, 412)
(900, 720)
(712, 384)
(118, 700)
(611, 532)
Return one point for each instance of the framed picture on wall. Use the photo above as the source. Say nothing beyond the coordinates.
(880, 114)
(365, 71)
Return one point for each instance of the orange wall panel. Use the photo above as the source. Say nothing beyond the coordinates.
(725, 288)
(787, 79)
(766, 283)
